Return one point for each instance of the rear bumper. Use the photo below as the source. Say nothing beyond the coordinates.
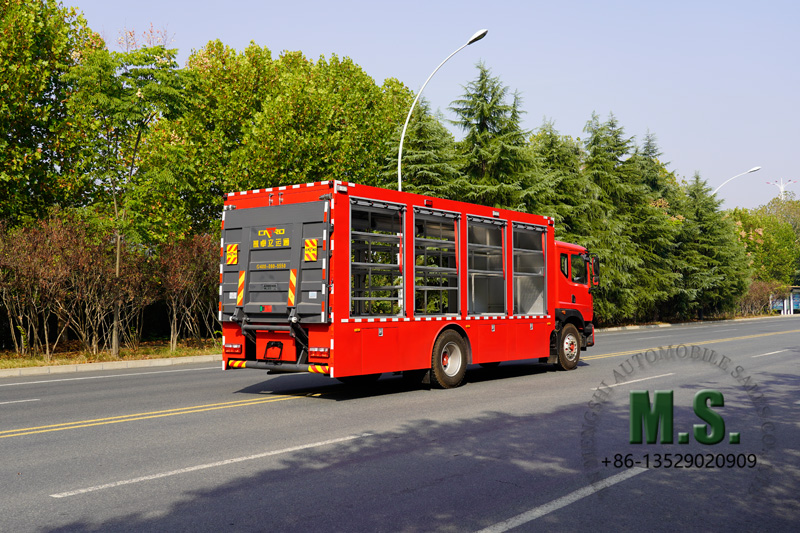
(276, 366)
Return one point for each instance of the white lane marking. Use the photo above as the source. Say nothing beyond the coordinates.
(729, 329)
(636, 380)
(547, 508)
(655, 337)
(20, 401)
(109, 376)
(770, 353)
(207, 465)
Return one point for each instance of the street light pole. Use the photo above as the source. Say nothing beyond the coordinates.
(736, 176)
(782, 186)
(477, 37)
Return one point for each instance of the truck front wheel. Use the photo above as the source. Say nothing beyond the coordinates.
(569, 347)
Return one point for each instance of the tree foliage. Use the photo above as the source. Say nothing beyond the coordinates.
(101, 147)
(428, 165)
(41, 40)
(253, 121)
(493, 158)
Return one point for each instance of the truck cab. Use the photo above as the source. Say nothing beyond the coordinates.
(577, 273)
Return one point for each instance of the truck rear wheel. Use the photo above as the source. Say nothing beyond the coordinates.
(449, 360)
(569, 347)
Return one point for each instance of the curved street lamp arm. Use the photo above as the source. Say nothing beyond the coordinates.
(736, 176)
(477, 37)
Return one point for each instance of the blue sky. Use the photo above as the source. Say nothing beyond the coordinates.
(716, 81)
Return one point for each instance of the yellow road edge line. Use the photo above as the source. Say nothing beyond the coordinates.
(138, 416)
(631, 352)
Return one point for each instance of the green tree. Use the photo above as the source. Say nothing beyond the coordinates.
(428, 156)
(117, 97)
(254, 122)
(632, 225)
(713, 266)
(771, 245)
(40, 41)
(655, 230)
(493, 158)
(559, 188)
(610, 222)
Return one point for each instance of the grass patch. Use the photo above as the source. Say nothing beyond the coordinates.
(71, 354)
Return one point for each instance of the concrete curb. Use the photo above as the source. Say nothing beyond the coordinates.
(110, 365)
(705, 322)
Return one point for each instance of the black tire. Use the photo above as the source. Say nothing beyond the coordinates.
(360, 381)
(449, 360)
(569, 347)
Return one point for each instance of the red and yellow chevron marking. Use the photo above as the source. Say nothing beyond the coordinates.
(232, 254)
(240, 294)
(311, 250)
(236, 364)
(318, 369)
(292, 285)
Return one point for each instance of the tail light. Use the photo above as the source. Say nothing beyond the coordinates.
(319, 352)
(232, 348)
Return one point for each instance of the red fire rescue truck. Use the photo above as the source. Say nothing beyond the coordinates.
(353, 281)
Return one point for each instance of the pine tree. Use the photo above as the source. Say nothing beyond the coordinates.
(558, 187)
(713, 265)
(493, 157)
(609, 220)
(428, 157)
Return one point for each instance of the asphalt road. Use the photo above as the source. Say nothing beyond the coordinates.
(520, 446)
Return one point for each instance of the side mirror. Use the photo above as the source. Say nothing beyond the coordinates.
(595, 263)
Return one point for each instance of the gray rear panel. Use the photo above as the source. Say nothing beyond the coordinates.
(272, 241)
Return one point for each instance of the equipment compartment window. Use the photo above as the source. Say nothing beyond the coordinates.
(529, 272)
(485, 266)
(435, 264)
(376, 244)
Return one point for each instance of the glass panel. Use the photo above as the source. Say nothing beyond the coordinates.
(485, 267)
(578, 269)
(529, 273)
(435, 266)
(529, 295)
(376, 281)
